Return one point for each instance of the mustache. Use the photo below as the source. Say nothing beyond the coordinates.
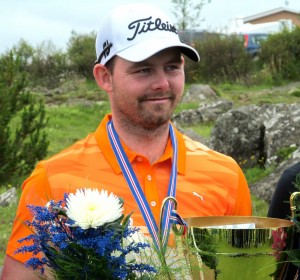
(153, 96)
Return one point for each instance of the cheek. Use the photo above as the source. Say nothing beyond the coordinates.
(124, 92)
(178, 85)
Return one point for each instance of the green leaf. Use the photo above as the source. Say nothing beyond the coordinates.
(294, 256)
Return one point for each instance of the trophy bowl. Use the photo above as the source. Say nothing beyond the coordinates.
(240, 247)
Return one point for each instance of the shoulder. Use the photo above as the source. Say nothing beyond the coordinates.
(84, 147)
(293, 169)
(290, 174)
(76, 166)
(196, 148)
(76, 160)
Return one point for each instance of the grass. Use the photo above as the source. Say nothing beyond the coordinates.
(259, 207)
(68, 124)
(186, 106)
(257, 95)
(6, 221)
(203, 129)
(7, 215)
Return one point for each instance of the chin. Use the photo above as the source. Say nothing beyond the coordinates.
(156, 122)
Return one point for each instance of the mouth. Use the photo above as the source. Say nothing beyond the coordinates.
(157, 98)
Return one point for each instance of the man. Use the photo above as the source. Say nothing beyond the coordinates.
(288, 183)
(141, 67)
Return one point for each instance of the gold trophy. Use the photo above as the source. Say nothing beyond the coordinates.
(237, 247)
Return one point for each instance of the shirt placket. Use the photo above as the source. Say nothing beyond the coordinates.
(151, 192)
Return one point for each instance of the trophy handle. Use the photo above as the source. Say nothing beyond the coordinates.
(195, 269)
(293, 205)
(176, 230)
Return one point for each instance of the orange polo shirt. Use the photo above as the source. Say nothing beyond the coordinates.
(208, 183)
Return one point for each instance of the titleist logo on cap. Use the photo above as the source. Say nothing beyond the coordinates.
(146, 24)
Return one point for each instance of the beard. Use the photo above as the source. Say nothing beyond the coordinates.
(143, 114)
(153, 116)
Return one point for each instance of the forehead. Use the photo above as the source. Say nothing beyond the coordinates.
(167, 55)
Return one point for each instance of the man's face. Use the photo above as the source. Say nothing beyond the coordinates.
(146, 93)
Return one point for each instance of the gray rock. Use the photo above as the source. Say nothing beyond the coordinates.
(210, 112)
(258, 133)
(265, 188)
(9, 197)
(200, 93)
(205, 113)
(240, 135)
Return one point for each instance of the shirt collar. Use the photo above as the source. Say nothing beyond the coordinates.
(104, 144)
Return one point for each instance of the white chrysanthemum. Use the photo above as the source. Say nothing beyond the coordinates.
(91, 208)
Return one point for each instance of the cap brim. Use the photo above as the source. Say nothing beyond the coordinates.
(144, 50)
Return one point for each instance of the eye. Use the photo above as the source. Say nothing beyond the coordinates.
(144, 70)
(172, 67)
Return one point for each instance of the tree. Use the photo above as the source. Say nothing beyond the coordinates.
(188, 13)
(45, 65)
(81, 53)
(23, 140)
(49, 65)
(25, 53)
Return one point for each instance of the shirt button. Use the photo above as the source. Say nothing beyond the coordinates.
(149, 177)
(139, 159)
(153, 203)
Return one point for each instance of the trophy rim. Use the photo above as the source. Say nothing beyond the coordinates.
(260, 222)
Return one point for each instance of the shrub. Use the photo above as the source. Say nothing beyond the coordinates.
(81, 53)
(284, 153)
(223, 59)
(280, 53)
(22, 120)
(296, 93)
(45, 64)
(49, 65)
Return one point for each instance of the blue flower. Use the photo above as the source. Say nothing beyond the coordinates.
(73, 252)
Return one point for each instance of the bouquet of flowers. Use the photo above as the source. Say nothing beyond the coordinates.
(85, 236)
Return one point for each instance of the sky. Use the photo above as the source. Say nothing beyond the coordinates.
(37, 21)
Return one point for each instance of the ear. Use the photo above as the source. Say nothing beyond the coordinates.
(182, 60)
(103, 77)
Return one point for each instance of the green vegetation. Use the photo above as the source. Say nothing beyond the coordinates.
(280, 55)
(255, 174)
(259, 207)
(6, 220)
(186, 106)
(68, 124)
(285, 152)
(203, 129)
(296, 93)
(22, 121)
(223, 60)
(256, 95)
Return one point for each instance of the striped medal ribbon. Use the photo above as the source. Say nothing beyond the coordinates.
(159, 236)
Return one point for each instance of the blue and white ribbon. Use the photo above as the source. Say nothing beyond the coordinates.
(160, 238)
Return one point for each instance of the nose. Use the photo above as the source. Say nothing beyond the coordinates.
(161, 82)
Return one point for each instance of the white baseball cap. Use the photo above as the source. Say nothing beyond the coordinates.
(137, 31)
